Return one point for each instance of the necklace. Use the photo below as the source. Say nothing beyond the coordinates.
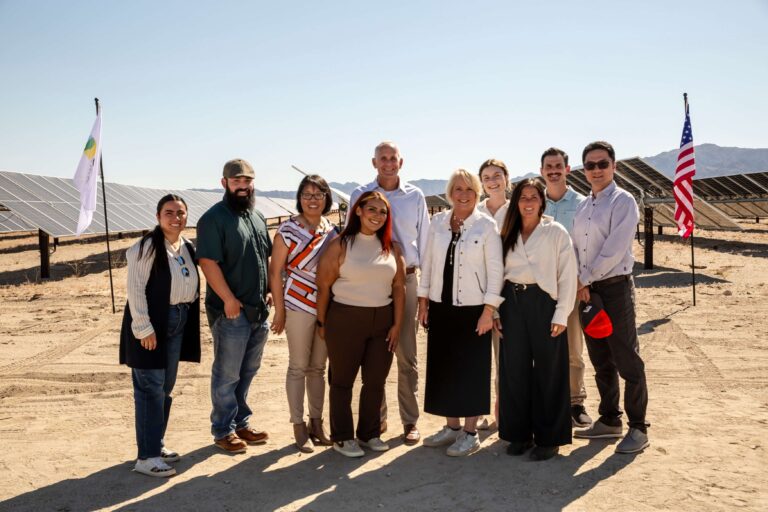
(454, 241)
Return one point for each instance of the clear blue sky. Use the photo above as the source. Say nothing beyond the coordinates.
(186, 86)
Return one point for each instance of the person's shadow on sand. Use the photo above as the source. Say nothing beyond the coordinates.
(420, 478)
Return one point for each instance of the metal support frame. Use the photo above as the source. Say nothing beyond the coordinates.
(45, 255)
(648, 248)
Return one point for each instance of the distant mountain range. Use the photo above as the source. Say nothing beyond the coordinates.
(711, 160)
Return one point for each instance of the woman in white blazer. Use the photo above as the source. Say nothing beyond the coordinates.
(461, 278)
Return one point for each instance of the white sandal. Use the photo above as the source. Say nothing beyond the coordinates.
(154, 466)
(169, 455)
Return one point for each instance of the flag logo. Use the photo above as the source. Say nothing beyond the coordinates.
(90, 148)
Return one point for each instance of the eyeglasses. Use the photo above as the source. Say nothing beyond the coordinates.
(180, 260)
(602, 165)
(317, 196)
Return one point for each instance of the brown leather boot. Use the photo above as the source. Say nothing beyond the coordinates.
(301, 434)
(316, 432)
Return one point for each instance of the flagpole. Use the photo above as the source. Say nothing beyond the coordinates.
(106, 223)
(693, 265)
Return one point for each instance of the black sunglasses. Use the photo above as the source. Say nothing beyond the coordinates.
(602, 165)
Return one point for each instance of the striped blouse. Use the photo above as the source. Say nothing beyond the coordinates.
(184, 280)
(304, 250)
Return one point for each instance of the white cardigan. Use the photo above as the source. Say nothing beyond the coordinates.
(478, 271)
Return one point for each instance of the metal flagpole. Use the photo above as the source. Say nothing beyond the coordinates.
(693, 265)
(106, 223)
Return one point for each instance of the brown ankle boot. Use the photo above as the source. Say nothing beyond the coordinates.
(301, 435)
(316, 432)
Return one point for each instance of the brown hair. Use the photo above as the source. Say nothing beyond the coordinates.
(512, 222)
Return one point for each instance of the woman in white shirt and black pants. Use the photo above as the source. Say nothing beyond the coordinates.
(539, 293)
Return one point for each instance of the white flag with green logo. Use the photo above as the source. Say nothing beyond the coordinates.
(87, 175)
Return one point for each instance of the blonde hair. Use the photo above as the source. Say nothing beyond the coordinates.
(470, 179)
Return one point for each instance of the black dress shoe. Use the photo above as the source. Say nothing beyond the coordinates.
(544, 452)
(518, 447)
(579, 416)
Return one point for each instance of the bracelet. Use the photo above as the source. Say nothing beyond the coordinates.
(319, 323)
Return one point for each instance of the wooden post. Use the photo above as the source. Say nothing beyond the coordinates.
(660, 230)
(648, 238)
(45, 255)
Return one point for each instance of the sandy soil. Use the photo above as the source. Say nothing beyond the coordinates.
(66, 407)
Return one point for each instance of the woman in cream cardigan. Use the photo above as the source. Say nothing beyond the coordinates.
(539, 291)
(461, 277)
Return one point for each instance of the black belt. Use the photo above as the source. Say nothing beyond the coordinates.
(181, 305)
(611, 280)
(519, 287)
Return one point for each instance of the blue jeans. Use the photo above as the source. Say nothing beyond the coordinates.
(152, 388)
(237, 348)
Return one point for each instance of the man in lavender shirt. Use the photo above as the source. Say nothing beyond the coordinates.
(562, 202)
(603, 230)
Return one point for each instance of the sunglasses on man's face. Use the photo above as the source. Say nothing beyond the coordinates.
(602, 165)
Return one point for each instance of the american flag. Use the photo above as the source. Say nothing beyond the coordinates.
(683, 186)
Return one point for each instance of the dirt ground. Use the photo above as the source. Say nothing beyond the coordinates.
(66, 407)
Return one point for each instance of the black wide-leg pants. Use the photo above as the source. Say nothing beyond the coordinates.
(534, 389)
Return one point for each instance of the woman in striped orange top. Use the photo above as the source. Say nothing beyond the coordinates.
(295, 252)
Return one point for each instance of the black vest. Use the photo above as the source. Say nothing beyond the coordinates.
(158, 293)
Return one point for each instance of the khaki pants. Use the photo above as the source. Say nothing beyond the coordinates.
(407, 365)
(307, 355)
(576, 357)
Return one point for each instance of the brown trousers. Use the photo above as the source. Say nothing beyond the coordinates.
(356, 340)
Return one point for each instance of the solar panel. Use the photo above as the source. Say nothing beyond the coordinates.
(53, 205)
(739, 195)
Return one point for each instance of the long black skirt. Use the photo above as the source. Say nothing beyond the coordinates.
(458, 362)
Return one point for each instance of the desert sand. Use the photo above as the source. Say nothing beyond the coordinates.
(66, 407)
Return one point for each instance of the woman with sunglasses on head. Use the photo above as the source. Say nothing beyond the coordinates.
(495, 180)
(360, 303)
(296, 251)
(459, 291)
(539, 292)
(161, 326)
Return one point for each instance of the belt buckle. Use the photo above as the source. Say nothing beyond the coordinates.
(520, 287)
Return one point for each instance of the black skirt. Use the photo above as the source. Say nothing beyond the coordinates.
(458, 362)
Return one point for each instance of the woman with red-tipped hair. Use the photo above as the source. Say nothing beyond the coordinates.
(365, 271)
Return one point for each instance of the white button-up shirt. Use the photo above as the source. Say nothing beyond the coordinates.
(478, 270)
(547, 260)
(410, 219)
(603, 229)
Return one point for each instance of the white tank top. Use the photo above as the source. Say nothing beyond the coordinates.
(365, 276)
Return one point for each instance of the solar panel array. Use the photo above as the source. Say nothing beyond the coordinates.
(652, 188)
(741, 196)
(53, 205)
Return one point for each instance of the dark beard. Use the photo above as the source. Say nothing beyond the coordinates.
(240, 204)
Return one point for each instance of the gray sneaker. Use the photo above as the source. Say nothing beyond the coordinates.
(635, 441)
(375, 444)
(464, 445)
(348, 448)
(443, 438)
(598, 430)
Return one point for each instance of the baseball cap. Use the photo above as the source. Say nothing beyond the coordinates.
(238, 167)
(594, 320)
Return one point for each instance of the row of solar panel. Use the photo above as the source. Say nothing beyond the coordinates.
(53, 205)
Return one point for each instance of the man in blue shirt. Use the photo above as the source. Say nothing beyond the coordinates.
(603, 230)
(562, 202)
(410, 226)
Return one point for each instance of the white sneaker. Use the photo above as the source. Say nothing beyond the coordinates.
(443, 438)
(464, 445)
(375, 444)
(169, 455)
(154, 466)
(348, 448)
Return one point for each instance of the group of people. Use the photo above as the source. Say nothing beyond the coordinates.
(500, 276)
